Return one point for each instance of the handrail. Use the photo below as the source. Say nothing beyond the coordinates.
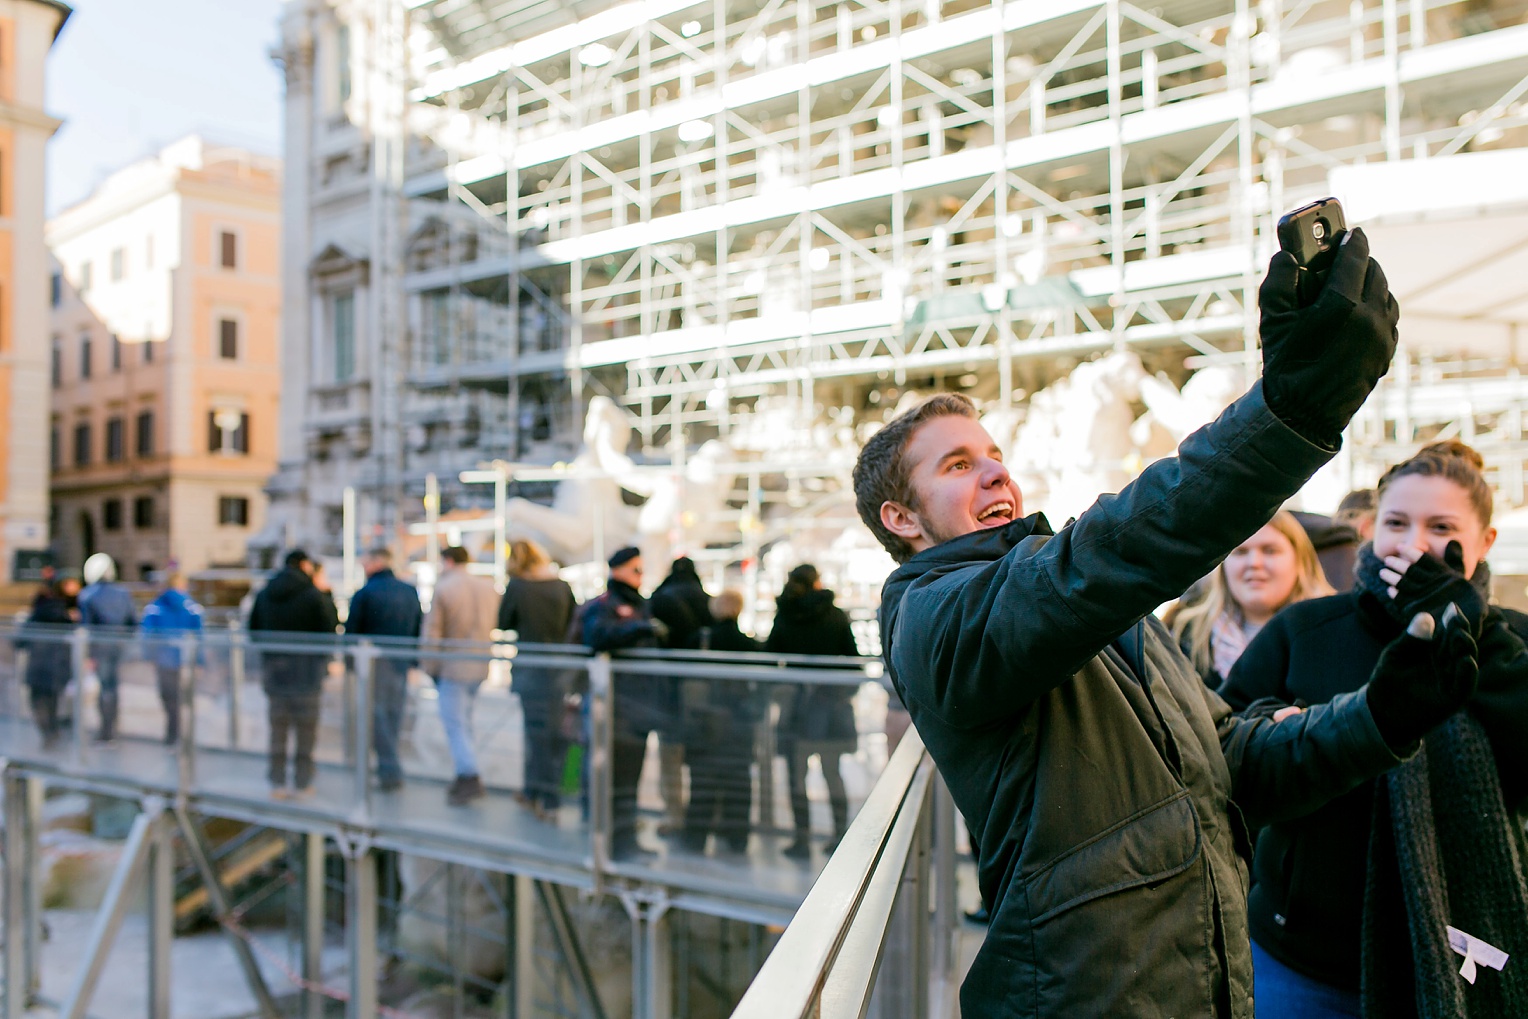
(825, 964)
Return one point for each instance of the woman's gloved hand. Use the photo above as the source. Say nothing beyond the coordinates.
(1423, 676)
(1422, 583)
(1320, 362)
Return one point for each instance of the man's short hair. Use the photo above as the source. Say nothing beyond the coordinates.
(881, 473)
(456, 554)
(296, 558)
(1356, 505)
(381, 554)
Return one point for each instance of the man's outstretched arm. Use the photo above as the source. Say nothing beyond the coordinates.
(994, 638)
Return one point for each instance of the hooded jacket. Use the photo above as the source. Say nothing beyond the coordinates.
(810, 624)
(168, 617)
(1100, 778)
(291, 610)
(682, 604)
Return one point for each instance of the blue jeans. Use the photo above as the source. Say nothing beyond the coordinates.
(455, 699)
(1281, 993)
(389, 691)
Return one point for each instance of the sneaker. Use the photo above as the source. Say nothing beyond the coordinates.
(389, 785)
(280, 792)
(799, 849)
(303, 792)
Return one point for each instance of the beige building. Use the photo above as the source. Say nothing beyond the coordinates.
(165, 367)
(27, 31)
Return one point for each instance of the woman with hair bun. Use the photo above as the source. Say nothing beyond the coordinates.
(1351, 904)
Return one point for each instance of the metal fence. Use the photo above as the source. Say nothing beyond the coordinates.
(734, 830)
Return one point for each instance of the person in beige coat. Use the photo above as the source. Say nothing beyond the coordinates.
(464, 608)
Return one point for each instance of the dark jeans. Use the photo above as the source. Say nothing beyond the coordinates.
(169, 696)
(389, 692)
(721, 790)
(829, 751)
(545, 748)
(107, 659)
(1281, 993)
(293, 713)
(45, 714)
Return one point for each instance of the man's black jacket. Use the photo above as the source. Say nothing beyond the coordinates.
(1099, 782)
(290, 610)
(1306, 909)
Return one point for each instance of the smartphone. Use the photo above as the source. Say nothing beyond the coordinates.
(1312, 233)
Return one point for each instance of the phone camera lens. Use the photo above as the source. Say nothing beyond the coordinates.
(1318, 229)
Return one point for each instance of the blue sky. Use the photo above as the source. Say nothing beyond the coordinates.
(128, 76)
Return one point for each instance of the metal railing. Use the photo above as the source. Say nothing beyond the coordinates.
(875, 936)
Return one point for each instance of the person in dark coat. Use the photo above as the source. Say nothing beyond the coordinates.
(169, 618)
(292, 609)
(1106, 785)
(618, 620)
(1336, 923)
(1336, 545)
(538, 606)
(45, 638)
(681, 604)
(387, 608)
(720, 739)
(820, 717)
(107, 609)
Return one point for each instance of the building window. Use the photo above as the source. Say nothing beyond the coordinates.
(228, 339)
(55, 448)
(343, 324)
(143, 512)
(342, 61)
(116, 440)
(116, 352)
(227, 431)
(111, 514)
(145, 443)
(82, 444)
(228, 244)
(58, 362)
(233, 511)
(85, 356)
(148, 350)
(56, 289)
(118, 264)
(84, 276)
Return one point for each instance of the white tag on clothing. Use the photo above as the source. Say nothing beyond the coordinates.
(1475, 951)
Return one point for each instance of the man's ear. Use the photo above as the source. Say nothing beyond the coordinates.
(901, 521)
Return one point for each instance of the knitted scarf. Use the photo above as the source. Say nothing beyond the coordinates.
(1443, 851)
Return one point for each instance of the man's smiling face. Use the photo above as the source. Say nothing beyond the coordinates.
(959, 483)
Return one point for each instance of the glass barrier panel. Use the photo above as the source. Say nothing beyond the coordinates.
(745, 764)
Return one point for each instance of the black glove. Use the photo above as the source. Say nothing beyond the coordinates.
(1430, 585)
(1423, 676)
(1321, 362)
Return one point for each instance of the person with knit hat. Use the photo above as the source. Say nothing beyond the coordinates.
(1351, 903)
(618, 620)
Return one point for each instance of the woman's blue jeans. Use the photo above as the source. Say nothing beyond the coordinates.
(1280, 993)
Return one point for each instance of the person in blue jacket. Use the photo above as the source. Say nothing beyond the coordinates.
(168, 619)
(387, 608)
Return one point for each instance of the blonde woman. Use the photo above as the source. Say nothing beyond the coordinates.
(1275, 567)
(538, 606)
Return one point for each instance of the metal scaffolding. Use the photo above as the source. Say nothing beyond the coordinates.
(698, 207)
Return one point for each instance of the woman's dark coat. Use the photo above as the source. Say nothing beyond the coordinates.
(45, 636)
(810, 624)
